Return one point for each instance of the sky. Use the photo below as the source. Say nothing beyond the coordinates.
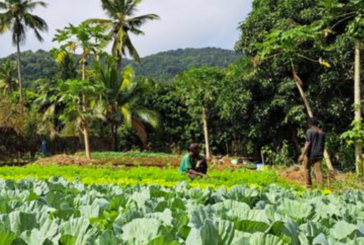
(183, 24)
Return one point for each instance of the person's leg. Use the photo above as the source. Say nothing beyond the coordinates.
(318, 173)
(307, 172)
(203, 167)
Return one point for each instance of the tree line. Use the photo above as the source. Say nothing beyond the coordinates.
(299, 59)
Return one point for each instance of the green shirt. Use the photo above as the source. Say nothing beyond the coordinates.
(188, 163)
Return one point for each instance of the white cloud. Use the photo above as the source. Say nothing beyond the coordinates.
(184, 23)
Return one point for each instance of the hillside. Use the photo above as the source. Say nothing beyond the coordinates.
(162, 66)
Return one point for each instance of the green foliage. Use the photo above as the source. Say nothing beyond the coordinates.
(143, 176)
(81, 99)
(282, 156)
(18, 18)
(122, 23)
(162, 67)
(36, 65)
(116, 155)
(198, 87)
(58, 211)
(8, 81)
(89, 38)
(355, 135)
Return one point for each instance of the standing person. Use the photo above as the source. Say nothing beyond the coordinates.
(194, 164)
(313, 152)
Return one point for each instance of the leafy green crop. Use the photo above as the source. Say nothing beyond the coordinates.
(57, 211)
(141, 176)
(118, 155)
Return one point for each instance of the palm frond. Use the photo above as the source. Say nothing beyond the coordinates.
(103, 22)
(149, 116)
(131, 49)
(128, 79)
(141, 131)
(35, 22)
(18, 33)
(111, 8)
(131, 7)
(5, 21)
(141, 20)
(30, 6)
(126, 112)
(4, 6)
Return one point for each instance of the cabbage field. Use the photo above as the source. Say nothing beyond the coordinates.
(57, 211)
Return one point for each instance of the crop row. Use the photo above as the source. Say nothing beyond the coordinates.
(57, 211)
(142, 175)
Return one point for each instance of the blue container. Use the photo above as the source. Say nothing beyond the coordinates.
(260, 166)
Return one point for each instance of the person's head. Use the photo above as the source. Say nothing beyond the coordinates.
(194, 149)
(312, 122)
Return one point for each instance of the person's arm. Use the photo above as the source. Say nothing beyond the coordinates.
(304, 152)
(201, 161)
(191, 171)
(307, 147)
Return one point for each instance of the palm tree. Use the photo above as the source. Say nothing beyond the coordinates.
(121, 93)
(18, 18)
(7, 80)
(122, 22)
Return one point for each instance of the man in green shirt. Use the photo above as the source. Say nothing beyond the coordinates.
(193, 163)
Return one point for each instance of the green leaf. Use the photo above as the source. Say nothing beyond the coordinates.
(6, 236)
(342, 229)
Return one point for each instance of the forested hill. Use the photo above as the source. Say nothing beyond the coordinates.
(165, 65)
(162, 66)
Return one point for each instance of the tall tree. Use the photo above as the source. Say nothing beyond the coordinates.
(8, 82)
(18, 18)
(290, 45)
(83, 102)
(349, 14)
(91, 40)
(121, 23)
(122, 91)
(198, 87)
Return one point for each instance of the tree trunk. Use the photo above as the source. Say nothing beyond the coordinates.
(357, 108)
(86, 135)
(114, 134)
(20, 77)
(310, 114)
(86, 131)
(206, 133)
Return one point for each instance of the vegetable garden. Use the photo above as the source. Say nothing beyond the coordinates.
(56, 211)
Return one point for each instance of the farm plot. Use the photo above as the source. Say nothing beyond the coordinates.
(57, 211)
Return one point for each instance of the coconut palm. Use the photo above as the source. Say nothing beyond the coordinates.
(17, 18)
(121, 93)
(122, 21)
(8, 81)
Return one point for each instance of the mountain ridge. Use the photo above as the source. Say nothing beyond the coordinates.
(162, 66)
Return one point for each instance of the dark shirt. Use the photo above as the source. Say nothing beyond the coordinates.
(316, 138)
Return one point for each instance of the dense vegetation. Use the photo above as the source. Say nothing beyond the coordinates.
(161, 67)
(169, 177)
(56, 211)
(254, 98)
(295, 59)
(298, 61)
